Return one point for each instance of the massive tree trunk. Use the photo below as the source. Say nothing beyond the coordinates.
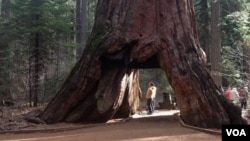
(131, 34)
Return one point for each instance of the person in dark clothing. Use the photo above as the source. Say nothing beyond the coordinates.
(243, 97)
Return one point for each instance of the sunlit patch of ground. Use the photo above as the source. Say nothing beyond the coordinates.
(143, 114)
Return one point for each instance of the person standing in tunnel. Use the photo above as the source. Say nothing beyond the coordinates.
(150, 97)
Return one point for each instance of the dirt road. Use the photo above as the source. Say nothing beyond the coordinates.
(158, 127)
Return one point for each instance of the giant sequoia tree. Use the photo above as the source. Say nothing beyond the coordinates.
(128, 35)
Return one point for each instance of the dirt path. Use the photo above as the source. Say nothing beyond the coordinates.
(159, 127)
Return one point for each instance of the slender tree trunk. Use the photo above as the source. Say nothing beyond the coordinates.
(132, 34)
(84, 26)
(216, 62)
(246, 63)
(4, 54)
(205, 34)
(78, 27)
(81, 22)
(37, 69)
(36, 62)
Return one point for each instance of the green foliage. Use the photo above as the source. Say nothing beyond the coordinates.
(48, 18)
(234, 31)
(52, 21)
(231, 63)
(239, 22)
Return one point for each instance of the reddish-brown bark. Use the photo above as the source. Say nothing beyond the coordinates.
(139, 34)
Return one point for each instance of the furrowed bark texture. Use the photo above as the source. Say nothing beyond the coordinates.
(132, 34)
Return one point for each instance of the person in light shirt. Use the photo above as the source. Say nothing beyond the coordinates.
(150, 97)
(235, 98)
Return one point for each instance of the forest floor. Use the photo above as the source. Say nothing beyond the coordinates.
(162, 123)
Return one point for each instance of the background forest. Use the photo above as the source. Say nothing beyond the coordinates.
(41, 40)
